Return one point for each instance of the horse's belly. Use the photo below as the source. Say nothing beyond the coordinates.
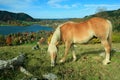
(83, 37)
(81, 41)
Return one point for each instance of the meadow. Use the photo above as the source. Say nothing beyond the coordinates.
(87, 67)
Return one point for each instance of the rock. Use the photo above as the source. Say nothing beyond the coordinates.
(50, 76)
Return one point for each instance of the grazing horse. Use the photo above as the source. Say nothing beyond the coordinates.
(72, 32)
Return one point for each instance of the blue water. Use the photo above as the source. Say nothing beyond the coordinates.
(5, 30)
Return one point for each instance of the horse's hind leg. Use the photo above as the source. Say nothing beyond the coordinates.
(107, 48)
(67, 47)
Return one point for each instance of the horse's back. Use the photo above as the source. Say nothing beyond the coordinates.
(75, 32)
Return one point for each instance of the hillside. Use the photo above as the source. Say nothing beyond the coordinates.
(108, 14)
(8, 16)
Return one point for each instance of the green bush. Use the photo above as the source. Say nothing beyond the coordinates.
(2, 40)
(16, 41)
(94, 41)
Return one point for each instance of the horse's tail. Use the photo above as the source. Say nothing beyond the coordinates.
(54, 40)
(110, 33)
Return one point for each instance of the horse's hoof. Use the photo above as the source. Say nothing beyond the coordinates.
(52, 65)
(74, 59)
(62, 61)
(105, 62)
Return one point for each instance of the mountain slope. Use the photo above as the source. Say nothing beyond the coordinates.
(6, 16)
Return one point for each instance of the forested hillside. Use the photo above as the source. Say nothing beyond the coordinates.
(15, 19)
(7, 16)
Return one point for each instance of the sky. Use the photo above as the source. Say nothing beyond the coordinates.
(58, 8)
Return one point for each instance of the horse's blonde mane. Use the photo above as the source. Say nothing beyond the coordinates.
(55, 38)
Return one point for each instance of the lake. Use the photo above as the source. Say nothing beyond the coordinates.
(5, 30)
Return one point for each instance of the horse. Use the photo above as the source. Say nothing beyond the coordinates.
(81, 32)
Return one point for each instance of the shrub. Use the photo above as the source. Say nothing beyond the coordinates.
(2, 40)
(94, 41)
(15, 41)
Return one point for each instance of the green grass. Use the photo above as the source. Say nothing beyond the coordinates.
(87, 67)
(116, 37)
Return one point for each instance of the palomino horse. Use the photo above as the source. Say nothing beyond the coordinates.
(71, 32)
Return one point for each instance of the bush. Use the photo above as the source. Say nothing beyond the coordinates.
(94, 41)
(15, 41)
(2, 40)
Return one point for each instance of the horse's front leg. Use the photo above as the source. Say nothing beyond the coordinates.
(67, 47)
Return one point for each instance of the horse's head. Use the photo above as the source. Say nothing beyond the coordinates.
(52, 50)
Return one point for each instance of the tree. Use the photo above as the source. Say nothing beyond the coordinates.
(103, 11)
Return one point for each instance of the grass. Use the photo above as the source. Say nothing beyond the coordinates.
(87, 67)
